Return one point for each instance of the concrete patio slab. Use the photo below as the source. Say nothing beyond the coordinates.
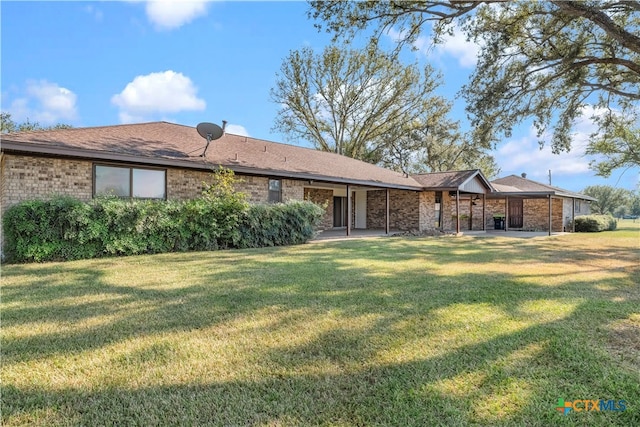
(341, 234)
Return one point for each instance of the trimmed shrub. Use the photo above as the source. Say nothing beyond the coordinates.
(67, 229)
(595, 223)
(37, 230)
(279, 224)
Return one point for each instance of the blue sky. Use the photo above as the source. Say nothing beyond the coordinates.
(105, 63)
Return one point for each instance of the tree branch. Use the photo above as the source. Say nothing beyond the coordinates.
(580, 9)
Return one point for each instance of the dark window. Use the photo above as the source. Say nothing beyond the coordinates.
(275, 191)
(124, 181)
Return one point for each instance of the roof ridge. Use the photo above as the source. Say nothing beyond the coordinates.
(453, 171)
(84, 128)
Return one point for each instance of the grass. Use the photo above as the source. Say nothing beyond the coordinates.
(387, 331)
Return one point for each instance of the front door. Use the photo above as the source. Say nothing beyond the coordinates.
(339, 211)
(515, 213)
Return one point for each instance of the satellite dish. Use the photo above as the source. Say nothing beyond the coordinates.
(210, 132)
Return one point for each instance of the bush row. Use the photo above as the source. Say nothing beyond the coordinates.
(68, 229)
(595, 223)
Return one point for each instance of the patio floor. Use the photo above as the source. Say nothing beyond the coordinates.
(341, 234)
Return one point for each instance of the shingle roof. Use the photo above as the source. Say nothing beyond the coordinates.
(165, 143)
(517, 184)
(451, 179)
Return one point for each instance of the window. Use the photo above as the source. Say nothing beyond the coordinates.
(578, 205)
(275, 191)
(124, 181)
(438, 209)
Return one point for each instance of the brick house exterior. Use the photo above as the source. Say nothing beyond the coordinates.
(355, 194)
(533, 206)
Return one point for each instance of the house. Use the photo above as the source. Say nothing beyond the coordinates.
(531, 205)
(161, 160)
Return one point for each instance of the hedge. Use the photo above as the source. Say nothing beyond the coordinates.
(595, 223)
(66, 229)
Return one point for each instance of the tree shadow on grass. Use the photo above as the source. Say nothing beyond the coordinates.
(458, 387)
(523, 369)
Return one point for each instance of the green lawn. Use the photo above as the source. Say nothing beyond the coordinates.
(386, 331)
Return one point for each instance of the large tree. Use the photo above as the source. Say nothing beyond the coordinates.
(434, 143)
(349, 101)
(617, 144)
(367, 105)
(545, 60)
(609, 199)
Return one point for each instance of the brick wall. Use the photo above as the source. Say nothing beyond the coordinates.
(494, 206)
(184, 184)
(292, 190)
(536, 214)
(29, 177)
(427, 213)
(26, 177)
(322, 197)
(403, 209)
(448, 210)
(465, 214)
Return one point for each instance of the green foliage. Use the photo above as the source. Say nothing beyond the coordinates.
(222, 186)
(618, 145)
(434, 143)
(608, 198)
(348, 101)
(67, 229)
(549, 61)
(635, 204)
(7, 125)
(279, 224)
(595, 223)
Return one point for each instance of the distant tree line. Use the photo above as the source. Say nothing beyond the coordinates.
(8, 125)
(614, 201)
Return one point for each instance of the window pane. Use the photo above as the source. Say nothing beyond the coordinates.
(274, 185)
(275, 195)
(148, 184)
(112, 181)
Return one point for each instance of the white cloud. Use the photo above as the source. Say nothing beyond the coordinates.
(236, 130)
(163, 92)
(45, 102)
(524, 154)
(95, 12)
(172, 14)
(455, 45)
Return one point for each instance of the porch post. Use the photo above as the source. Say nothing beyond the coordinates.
(348, 210)
(573, 215)
(457, 211)
(550, 224)
(484, 219)
(506, 213)
(386, 220)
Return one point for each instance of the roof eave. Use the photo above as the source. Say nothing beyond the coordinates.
(499, 194)
(56, 150)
